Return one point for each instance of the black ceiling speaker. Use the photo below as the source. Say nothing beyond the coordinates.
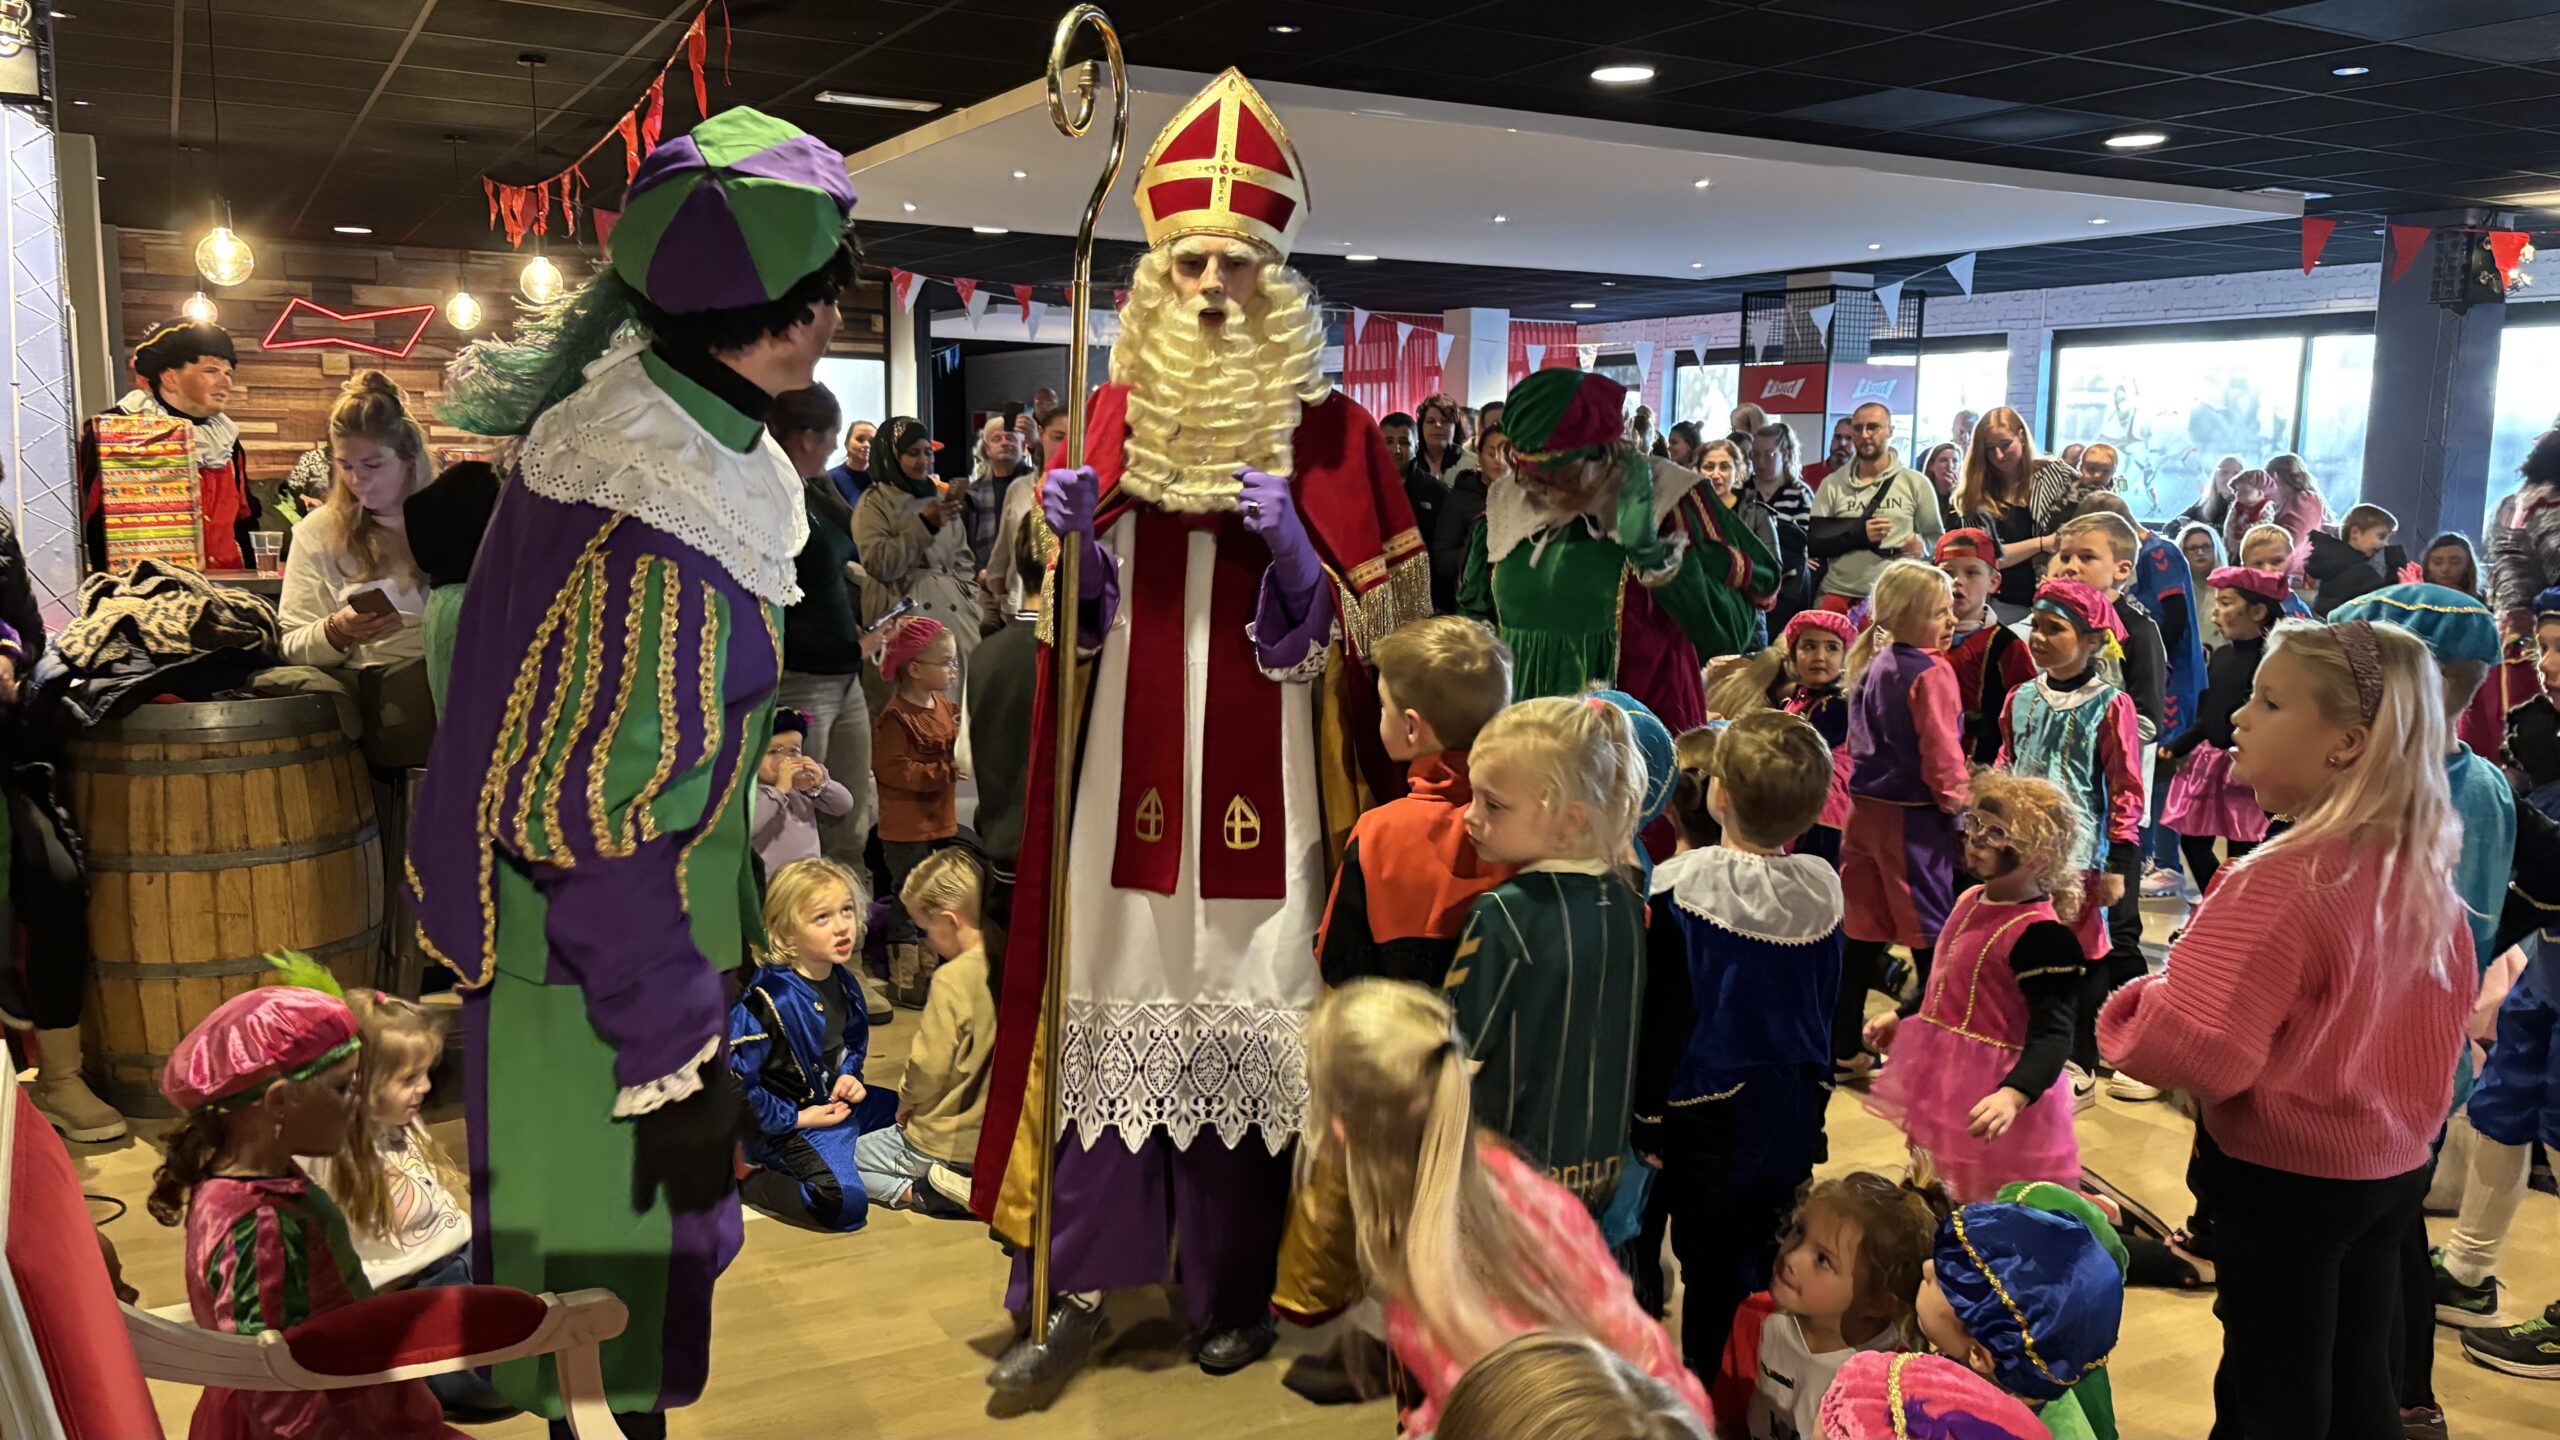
(2465, 272)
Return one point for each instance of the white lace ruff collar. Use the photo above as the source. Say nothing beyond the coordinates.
(1510, 516)
(620, 443)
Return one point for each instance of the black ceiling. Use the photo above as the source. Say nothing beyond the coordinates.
(335, 112)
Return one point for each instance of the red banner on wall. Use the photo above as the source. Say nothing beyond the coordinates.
(1784, 389)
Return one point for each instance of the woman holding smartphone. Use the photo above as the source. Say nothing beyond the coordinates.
(914, 538)
(353, 595)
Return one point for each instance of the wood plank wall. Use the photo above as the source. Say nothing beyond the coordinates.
(281, 398)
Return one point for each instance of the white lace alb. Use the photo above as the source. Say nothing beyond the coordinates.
(623, 444)
(1179, 1066)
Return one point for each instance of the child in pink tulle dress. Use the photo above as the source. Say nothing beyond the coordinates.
(1975, 1060)
(2205, 803)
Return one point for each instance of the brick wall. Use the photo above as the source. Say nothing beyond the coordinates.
(281, 398)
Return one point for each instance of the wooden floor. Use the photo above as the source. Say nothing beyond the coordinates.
(888, 1333)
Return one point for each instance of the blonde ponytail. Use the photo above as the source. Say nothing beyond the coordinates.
(1903, 592)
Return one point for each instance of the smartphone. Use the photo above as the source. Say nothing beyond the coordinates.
(892, 613)
(1012, 413)
(374, 603)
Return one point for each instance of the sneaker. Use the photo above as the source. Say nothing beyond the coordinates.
(2422, 1422)
(949, 1183)
(2124, 1087)
(2159, 884)
(2465, 1307)
(2531, 1349)
(2084, 1087)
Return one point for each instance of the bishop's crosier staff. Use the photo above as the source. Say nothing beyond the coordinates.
(1066, 586)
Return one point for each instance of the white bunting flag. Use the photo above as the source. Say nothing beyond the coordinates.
(1536, 353)
(1359, 325)
(1697, 349)
(1889, 299)
(1644, 362)
(1961, 267)
(1404, 336)
(976, 299)
(1444, 340)
(1033, 312)
(1586, 356)
(1820, 315)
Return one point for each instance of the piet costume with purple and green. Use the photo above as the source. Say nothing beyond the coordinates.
(1638, 599)
(580, 851)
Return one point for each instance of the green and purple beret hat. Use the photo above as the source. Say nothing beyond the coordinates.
(732, 215)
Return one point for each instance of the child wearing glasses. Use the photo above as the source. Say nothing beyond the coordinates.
(1974, 1062)
(911, 759)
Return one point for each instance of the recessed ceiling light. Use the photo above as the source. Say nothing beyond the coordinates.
(1584, 305)
(353, 229)
(909, 206)
(1622, 74)
(2136, 140)
(79, 102)
(1021, 174)
(1501, 219)
(60, 15)
(1875, 244)
(1697, 264)
(1612, 284)
(989, 230)
(1360, 259)
(2097, 219)
(875, 102)
(1701, 183)
(2349, 72)
(1284, 29)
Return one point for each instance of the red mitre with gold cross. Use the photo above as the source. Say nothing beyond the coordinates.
(1223, 166)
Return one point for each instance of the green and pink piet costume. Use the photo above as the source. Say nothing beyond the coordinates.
(580, 851)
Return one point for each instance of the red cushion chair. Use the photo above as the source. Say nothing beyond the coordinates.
(73, 1360)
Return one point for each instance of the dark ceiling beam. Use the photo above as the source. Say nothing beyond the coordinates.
(177, 63)
(347, 136)
(635, 50)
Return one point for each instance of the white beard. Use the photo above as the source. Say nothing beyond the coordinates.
(1207, 402)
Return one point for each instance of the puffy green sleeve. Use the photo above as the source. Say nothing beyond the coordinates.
(1725, 578)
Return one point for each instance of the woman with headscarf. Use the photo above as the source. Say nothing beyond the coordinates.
(913, 542)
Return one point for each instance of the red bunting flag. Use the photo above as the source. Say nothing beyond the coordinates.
(1119, 299)
(2316, 230)
(696, 40)
(605, 220)
(904, 286)
(968, 288)
(653, 119)
(1022, 297)
(2408, 242)
(628, 127)
(2507, 248)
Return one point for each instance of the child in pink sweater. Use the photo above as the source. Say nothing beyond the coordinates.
(2324, 1063)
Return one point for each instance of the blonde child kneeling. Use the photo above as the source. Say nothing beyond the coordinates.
(798, 1037)
(922, 1161)
(1468, 1244)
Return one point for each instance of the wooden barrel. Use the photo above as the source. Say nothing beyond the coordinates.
(216, 833)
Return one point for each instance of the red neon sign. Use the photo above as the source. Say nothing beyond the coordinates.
(422, 314)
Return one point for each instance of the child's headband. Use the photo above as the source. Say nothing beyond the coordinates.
(2364, 662)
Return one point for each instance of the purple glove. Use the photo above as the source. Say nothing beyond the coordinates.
(1271, 512)
(1067, 501)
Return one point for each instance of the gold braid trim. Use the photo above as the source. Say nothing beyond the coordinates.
(608, 844)
(737, 770)
(2026, 1337)
(708, 658)
(643, 825)
(544, 780)
(1893, 1395)
(493, 786)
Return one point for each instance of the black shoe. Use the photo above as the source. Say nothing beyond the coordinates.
(931, 1203)
(2465, 1307)
(1034, 1374)
(1229, 1351)
(2422, 1422)
(2531, 1349)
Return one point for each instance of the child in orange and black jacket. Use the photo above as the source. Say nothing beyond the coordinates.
(1409, 873)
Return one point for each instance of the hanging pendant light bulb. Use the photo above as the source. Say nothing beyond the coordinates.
(223, 258)
(199, 309)
(462, 312)
(540, 282)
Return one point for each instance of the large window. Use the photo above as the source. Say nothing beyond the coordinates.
(2528, 402)
(2172, 408)
(1953, 380)
(1705, 395)
(2337, 395)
